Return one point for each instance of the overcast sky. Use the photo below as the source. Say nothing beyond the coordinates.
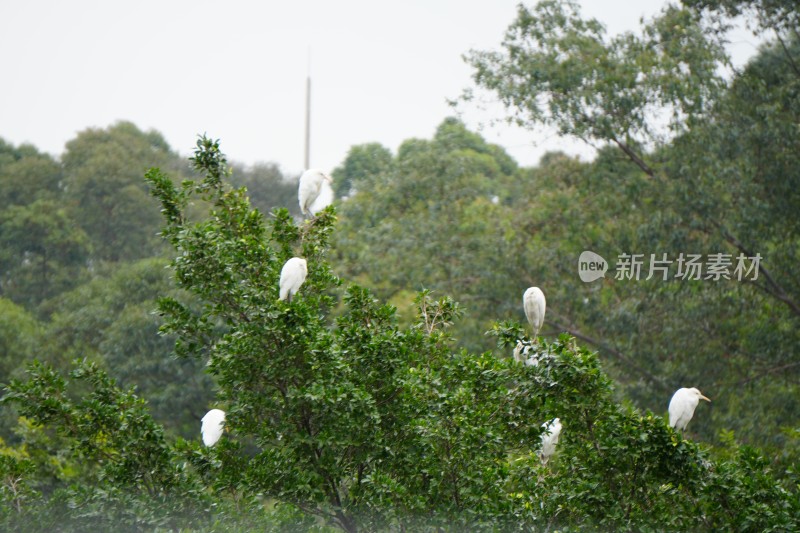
(381, 71)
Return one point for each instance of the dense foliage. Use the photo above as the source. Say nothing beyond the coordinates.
(374, 401)
(352, 419)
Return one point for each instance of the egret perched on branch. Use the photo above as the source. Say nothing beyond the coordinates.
(293, 274)
(534, 304)
(212, 425)
(314, 192)
(552, 430)
(682, 406)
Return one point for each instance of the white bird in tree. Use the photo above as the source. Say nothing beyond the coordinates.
(521, 352)
(534, 304)
(314, 192)
(552, 430)
(212, 425)
(682, 406)
(293, 274)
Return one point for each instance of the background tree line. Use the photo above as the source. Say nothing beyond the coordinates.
(83, 269)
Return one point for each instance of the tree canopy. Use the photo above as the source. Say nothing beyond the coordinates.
(384, 394)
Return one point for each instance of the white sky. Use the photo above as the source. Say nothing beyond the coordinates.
(381, 71)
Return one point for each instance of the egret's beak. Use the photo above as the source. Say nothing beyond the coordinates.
(706, 399)
(328, 178)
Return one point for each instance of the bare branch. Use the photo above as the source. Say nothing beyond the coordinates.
(771, 287)
(633, 156)
(768, 372)
(605, 348)
(788, 53)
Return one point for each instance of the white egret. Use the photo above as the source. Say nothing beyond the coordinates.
(552, 430)
(534, 304)
(682, 406)
(521, 352)
(293, 274)
(314, 192)
(212, 425)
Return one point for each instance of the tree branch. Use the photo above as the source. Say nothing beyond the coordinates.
(788, 54)
(767, 372)
(621, 357)
(772, 287)
(633, 156)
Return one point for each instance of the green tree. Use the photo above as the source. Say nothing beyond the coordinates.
(358, 421)
(559, 70)
(26, 175)
(20, 342)
(762, 16)
(364, 163)
(111, 320)
(133, 480)
(430, 220)
(102, 183)
(267, 187)
(369, 425)
(20, 335)
(719, 180)
(42, 253)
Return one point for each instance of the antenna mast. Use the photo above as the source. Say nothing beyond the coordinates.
(307, 159)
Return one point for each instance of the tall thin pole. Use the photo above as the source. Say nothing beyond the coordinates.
(308, 114)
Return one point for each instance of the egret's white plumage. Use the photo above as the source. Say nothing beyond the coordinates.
(293, 274)
(552, 430)
(212, 425)
(315, 192)
(521, 352)
(534, 304)
(682, 406)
